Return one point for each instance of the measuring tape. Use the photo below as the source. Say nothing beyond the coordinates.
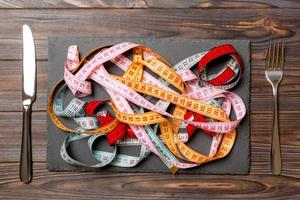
(207, 108)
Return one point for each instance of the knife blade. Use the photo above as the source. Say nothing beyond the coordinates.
(28, 97)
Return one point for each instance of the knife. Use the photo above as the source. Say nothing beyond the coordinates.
(28, 97)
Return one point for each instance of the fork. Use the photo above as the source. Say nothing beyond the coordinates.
(274, 73)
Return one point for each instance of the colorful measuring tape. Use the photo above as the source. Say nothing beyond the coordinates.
(202, 102)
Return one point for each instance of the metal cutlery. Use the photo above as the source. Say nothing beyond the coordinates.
(28, 97)
(274, 73)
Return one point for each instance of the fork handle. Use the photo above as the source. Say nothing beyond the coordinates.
(276, 153)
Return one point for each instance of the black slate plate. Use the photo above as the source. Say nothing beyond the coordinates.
(237, 162)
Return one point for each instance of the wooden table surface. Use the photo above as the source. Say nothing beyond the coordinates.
(256, 20)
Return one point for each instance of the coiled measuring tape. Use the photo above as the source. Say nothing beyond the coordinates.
(130, 98)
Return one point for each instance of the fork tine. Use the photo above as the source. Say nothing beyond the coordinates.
(277, 63)
(268, 57)
(273, 56)
(282, 56)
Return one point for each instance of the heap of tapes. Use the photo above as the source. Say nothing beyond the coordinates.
(184, 99)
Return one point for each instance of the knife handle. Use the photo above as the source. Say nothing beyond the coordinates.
(26, 151)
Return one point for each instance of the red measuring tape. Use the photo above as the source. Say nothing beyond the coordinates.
(104, 117)
(228, 73)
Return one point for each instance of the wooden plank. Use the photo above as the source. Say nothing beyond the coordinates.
(149, 4)
(261, 97)
(10, 137)
(260, 26)
(261, 127)
(47, 185)
(11, 86)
